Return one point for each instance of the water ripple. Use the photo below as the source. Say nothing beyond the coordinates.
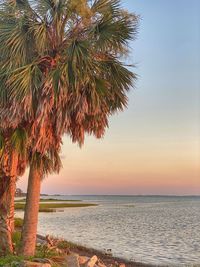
(158, 232)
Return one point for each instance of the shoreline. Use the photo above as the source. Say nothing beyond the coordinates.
(86, 252)
(64, 249)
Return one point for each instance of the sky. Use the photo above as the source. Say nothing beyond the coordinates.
(153, 147)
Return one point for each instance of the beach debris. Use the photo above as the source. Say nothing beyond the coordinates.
(72, 260)
(100, 263)
(50, 241)
(92, 261)
(83, 260)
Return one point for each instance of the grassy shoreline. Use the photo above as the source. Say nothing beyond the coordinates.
(49, 200)
(53, 207)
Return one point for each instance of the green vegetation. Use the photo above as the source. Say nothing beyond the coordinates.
(51, 207)
(18, 222)
(42, 252)
(16, 237)
(10, 260)
(66, 245)
(50, 200)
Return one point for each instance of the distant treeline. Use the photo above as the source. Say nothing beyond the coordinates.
(20, 193)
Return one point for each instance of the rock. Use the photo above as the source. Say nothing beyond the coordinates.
(108, 252)
(92, 261)
(59, 251)
(41, 241)
(100, 264)
(72, 260)
(35, 264)
(83, 260)
(43, 260)
(41, 238)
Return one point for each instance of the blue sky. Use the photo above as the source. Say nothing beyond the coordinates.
(153, 147)
(167, 57)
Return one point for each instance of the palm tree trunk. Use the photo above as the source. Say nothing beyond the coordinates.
(7, 195)
(6, 246)
(13, 173)
(29, 230)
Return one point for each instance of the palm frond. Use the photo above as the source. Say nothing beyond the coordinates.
(39, 32)
(23, 81)
(47, 163)
(19, 140)
(106, 7)
(15, 43)
(113, 34)
(2, 143)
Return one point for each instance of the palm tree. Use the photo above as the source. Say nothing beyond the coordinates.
(12, 145)
(15, 154)
(7, 190)
(40, 166)
(62, 67)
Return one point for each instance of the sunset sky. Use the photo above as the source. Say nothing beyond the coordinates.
(153, 147)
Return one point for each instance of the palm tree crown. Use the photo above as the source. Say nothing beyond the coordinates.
(61, 66)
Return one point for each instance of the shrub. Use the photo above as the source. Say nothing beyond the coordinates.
(11, 261)
(19, 222)
(16, 237)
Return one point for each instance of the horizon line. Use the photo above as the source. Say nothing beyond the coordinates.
(136, 195)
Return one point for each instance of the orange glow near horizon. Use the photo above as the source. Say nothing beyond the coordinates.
(102, 167)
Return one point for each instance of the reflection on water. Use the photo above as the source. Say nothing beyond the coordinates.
(157, 230)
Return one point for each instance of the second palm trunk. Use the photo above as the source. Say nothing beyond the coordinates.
(29, 231)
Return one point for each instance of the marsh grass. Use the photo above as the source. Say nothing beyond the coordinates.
(49, 200)
(51, 207)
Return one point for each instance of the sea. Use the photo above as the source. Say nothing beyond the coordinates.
(158, 230)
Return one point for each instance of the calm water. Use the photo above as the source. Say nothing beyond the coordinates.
(157, 230)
